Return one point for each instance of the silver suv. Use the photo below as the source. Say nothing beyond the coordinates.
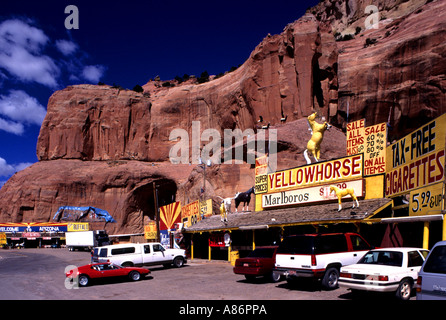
(431, 283)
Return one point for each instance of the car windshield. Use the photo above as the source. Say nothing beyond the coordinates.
(387, 258)
(262, 253)
(297, 245)
(436, 263)
(100, 252)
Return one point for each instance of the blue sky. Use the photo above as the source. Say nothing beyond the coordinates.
(117, 42)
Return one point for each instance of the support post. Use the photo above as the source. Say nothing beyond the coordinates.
(426, 235)
(192, 246)
(209, 252)
(157, 215)
(229, 253)
(444, 228)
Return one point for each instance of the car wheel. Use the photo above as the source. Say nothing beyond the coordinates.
(178, 262)
(83, 280)
(134, 275)
(330, 280)
(275, 276)
(404, 290)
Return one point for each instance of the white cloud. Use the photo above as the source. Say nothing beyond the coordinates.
(19, 106)
(22, 165)
(21, 55)
(9, 169)
(11, 127)
(66, 47)
(5, 168)
(93, 73)
(23, 58)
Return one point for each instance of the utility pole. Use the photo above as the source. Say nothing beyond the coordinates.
(157, 216)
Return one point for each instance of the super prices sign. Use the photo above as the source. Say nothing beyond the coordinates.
(417, 160)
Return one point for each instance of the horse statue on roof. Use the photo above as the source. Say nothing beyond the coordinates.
(317, 135)
(340, 193)
(244, 197)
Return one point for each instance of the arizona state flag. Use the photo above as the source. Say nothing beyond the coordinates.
(169, 215)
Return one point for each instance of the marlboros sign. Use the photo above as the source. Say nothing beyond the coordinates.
(309, 195)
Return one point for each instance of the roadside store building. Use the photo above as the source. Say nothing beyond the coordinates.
(400, 189)
(415, 180)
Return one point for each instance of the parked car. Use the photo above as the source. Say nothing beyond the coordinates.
(319, 256)
(140, 254)
(85, 274)
(260, 262)
(431, 282)
(385, 270)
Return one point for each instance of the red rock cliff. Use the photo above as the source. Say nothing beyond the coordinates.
(97, 143)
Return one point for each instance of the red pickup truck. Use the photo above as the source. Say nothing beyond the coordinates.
(259, 262)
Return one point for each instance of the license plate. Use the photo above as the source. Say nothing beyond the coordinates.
(246, 264)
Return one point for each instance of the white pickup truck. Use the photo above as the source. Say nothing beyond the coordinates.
(140, 254)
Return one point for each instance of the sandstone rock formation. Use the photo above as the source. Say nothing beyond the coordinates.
(395, 73)
(105, 146)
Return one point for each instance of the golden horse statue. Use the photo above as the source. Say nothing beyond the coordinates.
(317, 135)
(223, 213)
(343, 193)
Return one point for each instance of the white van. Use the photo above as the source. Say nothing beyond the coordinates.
(431, 283)
(140, 254)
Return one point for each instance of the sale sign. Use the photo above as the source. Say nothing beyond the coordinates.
(426, 200)
(371, 141)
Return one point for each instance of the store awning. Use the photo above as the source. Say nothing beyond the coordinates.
(425, 218)
(316, 214)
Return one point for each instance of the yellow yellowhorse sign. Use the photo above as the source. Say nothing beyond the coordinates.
(348, 168)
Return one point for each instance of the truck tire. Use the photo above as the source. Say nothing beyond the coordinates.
(178, 262)
(330, 279)
(275, 276)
